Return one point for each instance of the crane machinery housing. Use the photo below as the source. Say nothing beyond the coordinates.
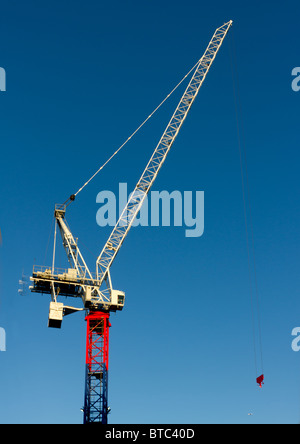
(95, 289)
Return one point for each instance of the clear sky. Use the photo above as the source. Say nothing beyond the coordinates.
(81, 76)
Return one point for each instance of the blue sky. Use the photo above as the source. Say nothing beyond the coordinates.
(81, 76)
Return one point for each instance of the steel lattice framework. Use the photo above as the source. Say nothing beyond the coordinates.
(78, 281)
(143, 186)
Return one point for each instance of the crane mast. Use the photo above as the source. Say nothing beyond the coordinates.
(95, 289)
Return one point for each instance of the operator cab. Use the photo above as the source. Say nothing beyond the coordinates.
(117, 300)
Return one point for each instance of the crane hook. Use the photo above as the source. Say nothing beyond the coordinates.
(260, 380)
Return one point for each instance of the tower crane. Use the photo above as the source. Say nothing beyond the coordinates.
(95, 289)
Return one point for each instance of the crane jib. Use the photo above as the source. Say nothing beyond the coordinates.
(149, 175)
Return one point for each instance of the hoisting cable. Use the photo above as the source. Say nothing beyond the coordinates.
(73, 196)
(247, 209)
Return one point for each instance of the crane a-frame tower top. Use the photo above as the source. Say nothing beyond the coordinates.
(95, 289)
